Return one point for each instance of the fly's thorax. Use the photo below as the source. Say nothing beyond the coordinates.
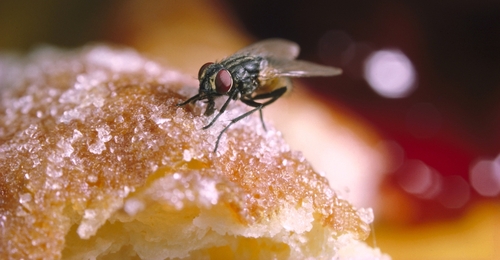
(245, 72)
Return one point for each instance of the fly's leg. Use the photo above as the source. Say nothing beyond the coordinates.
(222, 109)
(210, 107)
(192, 99)
(273, 95)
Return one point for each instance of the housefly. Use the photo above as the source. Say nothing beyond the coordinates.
(261, 71)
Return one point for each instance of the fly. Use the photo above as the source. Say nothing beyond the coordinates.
(261, 71)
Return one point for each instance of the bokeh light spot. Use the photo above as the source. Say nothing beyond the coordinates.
(417, 178)
(390, 73)
(485, 177)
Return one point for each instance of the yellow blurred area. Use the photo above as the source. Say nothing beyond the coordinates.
(474, 236)
(186, 34)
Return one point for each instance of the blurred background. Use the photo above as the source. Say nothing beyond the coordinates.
(421, 75)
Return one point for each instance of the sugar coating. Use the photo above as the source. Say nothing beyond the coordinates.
(80, 130)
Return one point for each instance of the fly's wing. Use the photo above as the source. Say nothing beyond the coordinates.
(297, 68)
(275, 48)
(280, 56)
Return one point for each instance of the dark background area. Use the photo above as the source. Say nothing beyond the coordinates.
(454, 46)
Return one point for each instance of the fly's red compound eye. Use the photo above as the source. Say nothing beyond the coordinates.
(223, 81)
(203, 68)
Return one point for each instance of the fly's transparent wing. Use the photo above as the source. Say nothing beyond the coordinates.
(279, 55)
(297, 68)
(276, 48)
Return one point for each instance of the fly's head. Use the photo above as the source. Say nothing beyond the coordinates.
(215, 81)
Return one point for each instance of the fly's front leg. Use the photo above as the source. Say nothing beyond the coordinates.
(274, 95)
(223, 108)
(192, 99)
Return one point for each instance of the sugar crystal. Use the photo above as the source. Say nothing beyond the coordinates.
(89, 214)
(97, 148)
(366, 215)
(66, 147)
(186, 155)
(133, 206)
(103, 133)
(92, 178)
(76, 135)
(24, 198)
(53, 172)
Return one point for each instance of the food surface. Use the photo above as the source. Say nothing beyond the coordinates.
(97, 160)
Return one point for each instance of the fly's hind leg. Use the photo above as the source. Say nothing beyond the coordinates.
(273, 95)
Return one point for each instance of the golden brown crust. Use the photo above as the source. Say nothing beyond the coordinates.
(85, 135)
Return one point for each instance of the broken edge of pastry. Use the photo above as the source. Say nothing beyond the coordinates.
(98, 161)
